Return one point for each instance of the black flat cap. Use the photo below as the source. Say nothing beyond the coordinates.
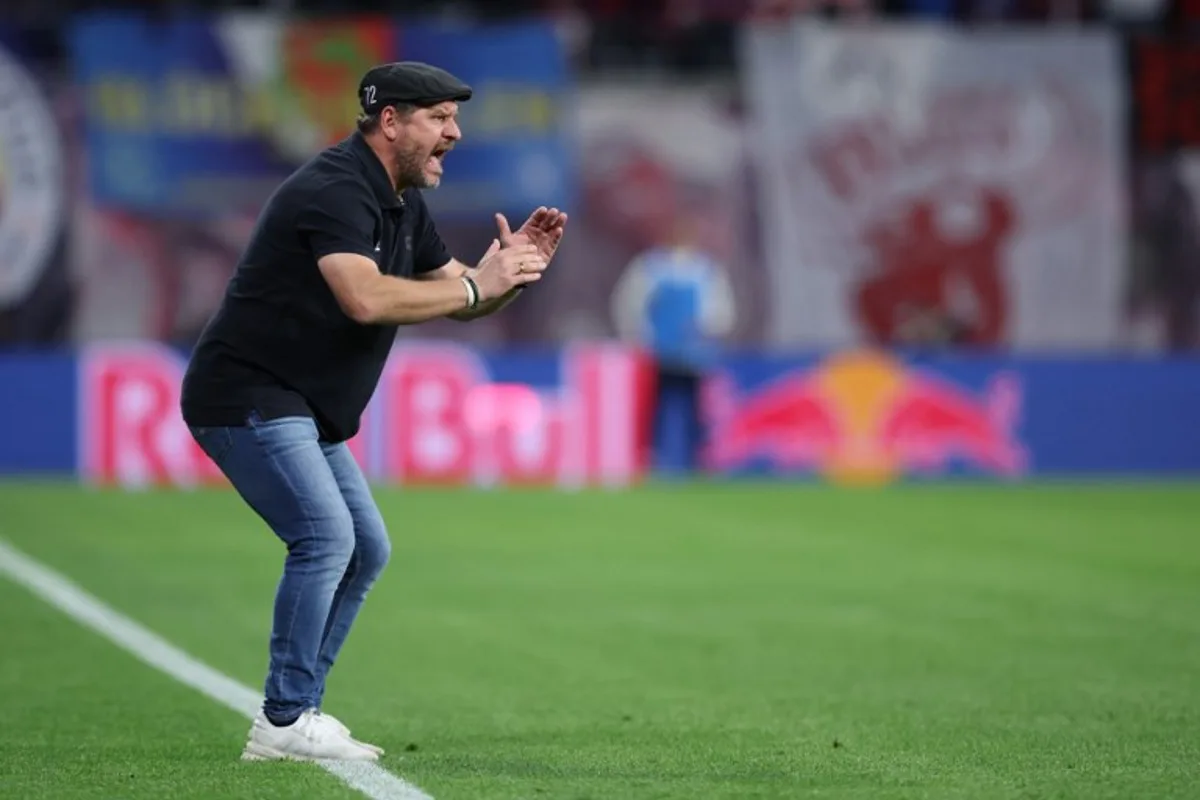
(409, 82)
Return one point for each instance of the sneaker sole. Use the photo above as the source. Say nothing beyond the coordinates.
(374, 748)
(260, 752)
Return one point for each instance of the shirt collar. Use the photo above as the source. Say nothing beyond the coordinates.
(376, 175)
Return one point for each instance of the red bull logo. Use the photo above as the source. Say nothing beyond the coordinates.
(865, 418)
(438, 417)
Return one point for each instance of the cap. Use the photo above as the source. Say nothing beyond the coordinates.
(411, 82)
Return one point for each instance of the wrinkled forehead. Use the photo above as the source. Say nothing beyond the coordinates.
(445, 108)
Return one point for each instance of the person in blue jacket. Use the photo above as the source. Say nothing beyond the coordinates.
(676, 301)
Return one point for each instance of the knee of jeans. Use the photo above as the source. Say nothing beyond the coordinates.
(373, 546)
(332, 539)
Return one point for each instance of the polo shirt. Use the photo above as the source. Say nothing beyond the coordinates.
(279, 344)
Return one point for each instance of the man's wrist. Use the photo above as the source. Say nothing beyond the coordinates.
(472, 289)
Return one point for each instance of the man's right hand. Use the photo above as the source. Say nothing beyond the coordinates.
(502, 270)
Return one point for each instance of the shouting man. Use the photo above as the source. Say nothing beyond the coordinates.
(344, 252)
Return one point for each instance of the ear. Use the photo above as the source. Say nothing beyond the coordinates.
(390, 132)
(390, 119)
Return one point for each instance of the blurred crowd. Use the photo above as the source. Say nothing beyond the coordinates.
(681, 35)
(666, 43)
(673, 36)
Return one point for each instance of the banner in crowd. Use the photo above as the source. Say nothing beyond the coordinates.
(450, 414)
(935, 185)
(35, 208)
(198, 117)
(32, 204)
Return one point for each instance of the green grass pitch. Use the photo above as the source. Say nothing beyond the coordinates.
(684, 641)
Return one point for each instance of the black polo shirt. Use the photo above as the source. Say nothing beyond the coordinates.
(280, 345)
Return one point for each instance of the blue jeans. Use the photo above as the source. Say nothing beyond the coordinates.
(315, 498)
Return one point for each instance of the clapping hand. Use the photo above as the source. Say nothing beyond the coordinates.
(544, 229)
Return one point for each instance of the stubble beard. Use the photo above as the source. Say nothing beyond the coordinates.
(410, 170)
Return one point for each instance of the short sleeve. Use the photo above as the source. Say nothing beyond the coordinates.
(429, 253)
(338, 218)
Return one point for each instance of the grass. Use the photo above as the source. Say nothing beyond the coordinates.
(715, 641)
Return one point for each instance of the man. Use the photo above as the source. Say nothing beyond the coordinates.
(343, 253)
(676, 301)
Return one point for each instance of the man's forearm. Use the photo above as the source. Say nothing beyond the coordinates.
(369, 298)
(398, 301)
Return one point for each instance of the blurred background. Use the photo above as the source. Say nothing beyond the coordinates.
(850, 240)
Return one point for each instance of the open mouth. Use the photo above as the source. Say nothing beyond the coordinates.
(436, 158)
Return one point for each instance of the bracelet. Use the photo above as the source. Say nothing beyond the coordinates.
(472, 292)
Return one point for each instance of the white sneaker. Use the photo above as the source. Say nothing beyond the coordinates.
(334, 721)
(310, 738)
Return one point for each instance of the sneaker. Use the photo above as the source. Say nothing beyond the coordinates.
(335, 722)
(312, 737)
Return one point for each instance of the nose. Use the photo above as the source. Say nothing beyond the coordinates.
(452, 131)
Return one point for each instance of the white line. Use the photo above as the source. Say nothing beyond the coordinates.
(369, 778)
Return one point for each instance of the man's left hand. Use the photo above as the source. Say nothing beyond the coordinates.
(544, 229)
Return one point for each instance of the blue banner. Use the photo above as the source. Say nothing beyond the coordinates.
(200, 116)
(38, 414)
(853, 417)
(870, 417)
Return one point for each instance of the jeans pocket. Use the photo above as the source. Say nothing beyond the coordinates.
(215, 442)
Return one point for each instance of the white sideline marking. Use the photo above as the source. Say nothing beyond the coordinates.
(369, 778)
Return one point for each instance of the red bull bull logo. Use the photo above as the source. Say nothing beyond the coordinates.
(863, 418)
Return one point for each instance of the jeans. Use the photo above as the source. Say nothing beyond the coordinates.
(678, 432)
(316, 500)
